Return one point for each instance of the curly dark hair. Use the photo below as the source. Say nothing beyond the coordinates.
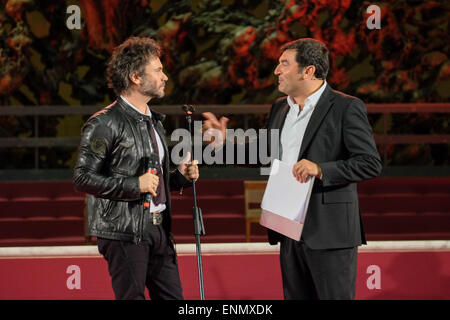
(310, 52)
(128, 58)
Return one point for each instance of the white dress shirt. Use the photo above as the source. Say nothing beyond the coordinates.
(295, 125)
(161, 206)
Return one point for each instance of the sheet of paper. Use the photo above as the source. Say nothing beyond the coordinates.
(284, 195)
(285, 201)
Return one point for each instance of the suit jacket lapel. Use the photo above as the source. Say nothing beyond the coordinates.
(320, 110)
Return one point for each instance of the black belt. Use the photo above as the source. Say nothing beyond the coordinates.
(157, 218)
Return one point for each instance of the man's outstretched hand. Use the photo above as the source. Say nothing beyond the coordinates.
(212, 123)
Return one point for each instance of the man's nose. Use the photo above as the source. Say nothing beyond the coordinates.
(277, 70)
(165, 77)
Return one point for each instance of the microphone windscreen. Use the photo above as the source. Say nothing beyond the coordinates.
(189, 109)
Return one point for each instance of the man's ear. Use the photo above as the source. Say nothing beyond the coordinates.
(135, 78)
(309, 72)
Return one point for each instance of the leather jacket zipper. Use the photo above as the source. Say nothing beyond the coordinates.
(141, 224)
(141, 218)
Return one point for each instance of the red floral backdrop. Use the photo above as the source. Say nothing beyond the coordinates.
(223, 52)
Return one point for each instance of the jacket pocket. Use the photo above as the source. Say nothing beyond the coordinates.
(107, 209)
(338, 197)
(127, 143)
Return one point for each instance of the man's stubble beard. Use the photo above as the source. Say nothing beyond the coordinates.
(150, 90)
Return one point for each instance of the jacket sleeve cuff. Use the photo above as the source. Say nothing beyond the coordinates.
(131, 188)
(178, 180)
(330, 176)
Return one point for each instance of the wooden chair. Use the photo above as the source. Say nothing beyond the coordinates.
(254, 191)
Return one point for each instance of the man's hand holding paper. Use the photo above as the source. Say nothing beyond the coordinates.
(285, 201)
(304, 169)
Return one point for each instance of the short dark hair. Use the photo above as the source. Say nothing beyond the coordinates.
(128, 58)
(310, 52)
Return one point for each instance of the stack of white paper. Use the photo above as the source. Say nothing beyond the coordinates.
(285, 201)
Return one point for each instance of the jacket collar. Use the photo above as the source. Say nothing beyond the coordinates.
(137, 115)
(323, 105)
(158, 116)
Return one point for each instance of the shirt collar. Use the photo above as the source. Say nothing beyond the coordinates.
(311, 100)
(132, 106)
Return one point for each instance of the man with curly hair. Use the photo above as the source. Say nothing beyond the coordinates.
(134, 234)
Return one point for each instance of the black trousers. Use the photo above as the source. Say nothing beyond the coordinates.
(317, 274)
(152, 263)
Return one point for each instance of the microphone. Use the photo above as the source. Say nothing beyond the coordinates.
(188, 109)
(153, 164)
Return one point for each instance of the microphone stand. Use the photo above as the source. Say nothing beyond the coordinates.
(199, 228)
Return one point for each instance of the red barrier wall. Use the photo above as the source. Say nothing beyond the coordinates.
(381, 275)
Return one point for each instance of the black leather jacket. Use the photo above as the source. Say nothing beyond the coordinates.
(113, 153)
